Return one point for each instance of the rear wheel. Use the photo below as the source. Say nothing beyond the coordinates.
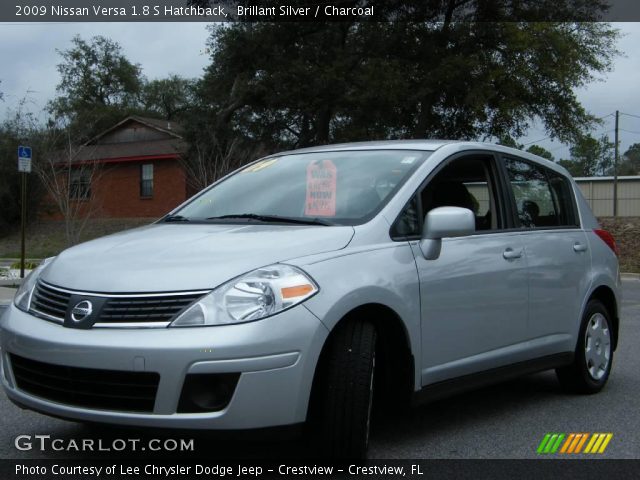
(343, 392)
(593, 358)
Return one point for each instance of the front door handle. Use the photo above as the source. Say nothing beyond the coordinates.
(579, 247)
(510, 253)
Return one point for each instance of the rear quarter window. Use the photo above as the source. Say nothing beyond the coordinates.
(543, 197)
(565, 199)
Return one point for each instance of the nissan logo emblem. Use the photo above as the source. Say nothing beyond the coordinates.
(81, 311)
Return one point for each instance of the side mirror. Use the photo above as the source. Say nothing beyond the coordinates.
(445, 222)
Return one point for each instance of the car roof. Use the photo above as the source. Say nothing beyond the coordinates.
(426, 145)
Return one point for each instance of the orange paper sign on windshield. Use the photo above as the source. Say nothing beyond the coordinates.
(321, 189)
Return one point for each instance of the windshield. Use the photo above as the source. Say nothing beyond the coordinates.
(344, 188)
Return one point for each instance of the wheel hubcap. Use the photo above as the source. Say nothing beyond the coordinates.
(597, 346)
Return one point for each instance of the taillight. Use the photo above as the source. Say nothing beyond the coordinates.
(608, 239)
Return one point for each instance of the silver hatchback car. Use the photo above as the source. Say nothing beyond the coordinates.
(310, 285)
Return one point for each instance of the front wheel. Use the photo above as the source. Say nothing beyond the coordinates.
(343, 393)
(593, 358)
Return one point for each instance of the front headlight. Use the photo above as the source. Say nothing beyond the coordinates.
(253, 296)
(22, 300)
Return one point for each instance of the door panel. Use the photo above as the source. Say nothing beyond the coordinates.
(558, 282)
(557, 251)
(473, 304)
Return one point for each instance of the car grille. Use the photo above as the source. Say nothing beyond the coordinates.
(154, 309)
(86, 387)
(49, 301)
(145, 309)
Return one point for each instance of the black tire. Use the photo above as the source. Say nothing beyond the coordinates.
(343, 393)
(576, 378)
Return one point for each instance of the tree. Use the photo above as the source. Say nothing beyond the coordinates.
(630, 161)
(211, 158)
(457, 76)
(96, 81)
(541, 152)
(574, 168)
(214, 148)
(54, 181)
(509, 141)
(590, 157)
(168, 98)
(67, 182)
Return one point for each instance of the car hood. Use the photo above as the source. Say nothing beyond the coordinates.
(177, 257)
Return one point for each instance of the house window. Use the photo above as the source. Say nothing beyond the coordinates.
(80, 184)
(146, 180)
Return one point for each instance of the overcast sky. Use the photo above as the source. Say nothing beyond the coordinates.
(28, 61)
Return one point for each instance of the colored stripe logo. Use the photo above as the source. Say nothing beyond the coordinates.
(574, 443)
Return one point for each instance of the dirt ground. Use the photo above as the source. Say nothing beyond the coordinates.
(626, 231)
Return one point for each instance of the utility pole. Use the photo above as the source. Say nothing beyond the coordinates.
(615, 170)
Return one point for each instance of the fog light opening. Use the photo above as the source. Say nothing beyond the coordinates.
(207, 392)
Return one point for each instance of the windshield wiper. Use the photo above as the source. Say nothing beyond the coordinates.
(274, 219)
(175, 218)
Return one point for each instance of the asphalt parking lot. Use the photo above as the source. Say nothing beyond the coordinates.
(504, 421)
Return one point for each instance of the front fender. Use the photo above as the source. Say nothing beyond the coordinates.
(385, 275)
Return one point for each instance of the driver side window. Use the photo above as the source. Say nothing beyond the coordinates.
(466, 182)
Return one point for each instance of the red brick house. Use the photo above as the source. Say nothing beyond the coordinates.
(131, 170)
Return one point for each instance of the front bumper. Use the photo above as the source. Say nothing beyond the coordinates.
(276, 358)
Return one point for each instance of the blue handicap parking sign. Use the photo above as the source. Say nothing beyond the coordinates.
(24, 152)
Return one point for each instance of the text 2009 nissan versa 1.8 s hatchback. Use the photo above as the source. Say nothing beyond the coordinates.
(310, 285)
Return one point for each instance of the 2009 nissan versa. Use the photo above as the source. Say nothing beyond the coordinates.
(310, 285)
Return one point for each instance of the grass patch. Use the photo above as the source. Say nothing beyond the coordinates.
(28, 265)
(46, 239)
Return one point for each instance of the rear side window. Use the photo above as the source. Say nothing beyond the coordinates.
(543, 198)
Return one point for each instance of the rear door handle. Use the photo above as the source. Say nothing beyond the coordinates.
(579, 247)
(510, 253)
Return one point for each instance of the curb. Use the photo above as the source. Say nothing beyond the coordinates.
(630, 276)
(11, 259)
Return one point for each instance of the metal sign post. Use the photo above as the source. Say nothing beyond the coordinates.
(24, 166)
(616, 158)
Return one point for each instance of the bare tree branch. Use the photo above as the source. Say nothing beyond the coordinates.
(63, 176)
